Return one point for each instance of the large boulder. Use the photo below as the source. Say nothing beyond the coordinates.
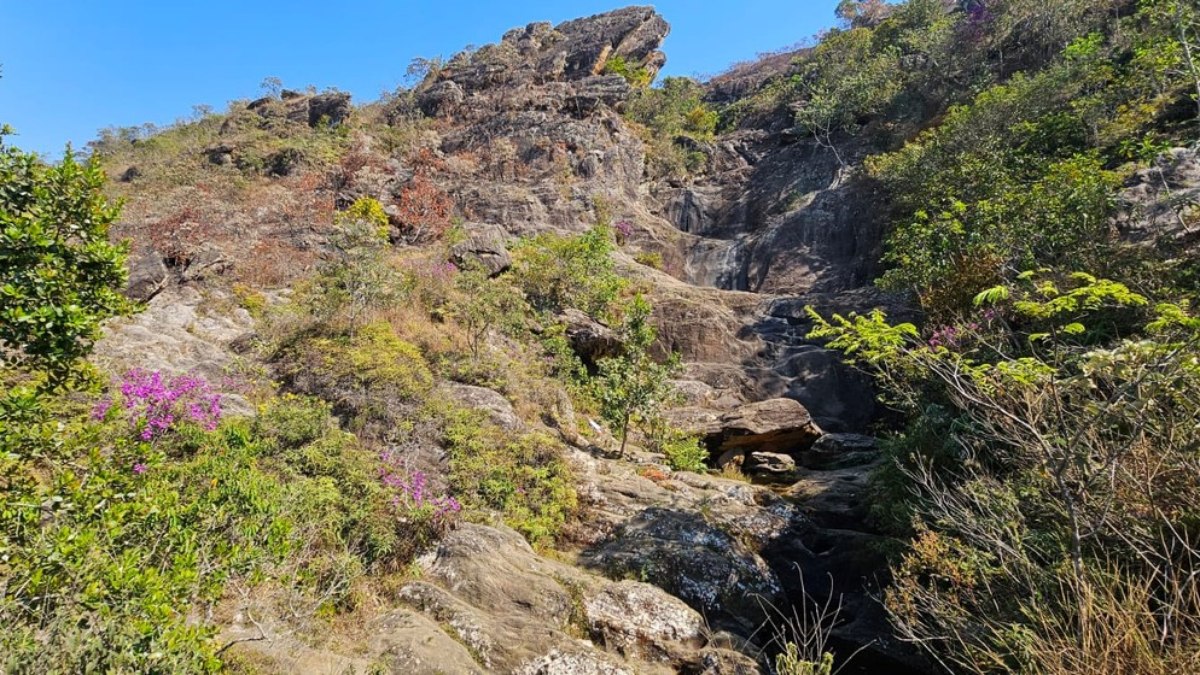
(590, 339)
(440, 99)
(641, 620)
(705, 566)
(147, 275)
(483, 246)
(779, 426)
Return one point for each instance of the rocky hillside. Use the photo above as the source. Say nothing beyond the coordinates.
(517, 369)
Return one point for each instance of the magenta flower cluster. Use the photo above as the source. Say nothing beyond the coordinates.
(624, 229)
(952, 337)
(155, 403)
(411, 488)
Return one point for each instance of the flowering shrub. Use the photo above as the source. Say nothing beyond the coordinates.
(155, 404)
(411, 490)
(623, 230)
(430, 281)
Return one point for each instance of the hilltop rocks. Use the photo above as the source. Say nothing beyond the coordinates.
(330, 108)
(441, 98)
(632, 33)
(549, 69)
(572, 51)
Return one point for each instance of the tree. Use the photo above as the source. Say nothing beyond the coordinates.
(358, 277)
(557, 272)
(633, 388)
(862, 12)
(60, 277)
(484, 302)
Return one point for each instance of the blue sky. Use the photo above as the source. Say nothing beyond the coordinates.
(71, 67)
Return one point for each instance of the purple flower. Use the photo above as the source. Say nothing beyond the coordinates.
(100, 411)
(139, 469)
(155, 403)
(411, 489)
(624, 229)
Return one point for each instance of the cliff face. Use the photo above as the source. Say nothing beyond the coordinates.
(527, 136)
(543, 146)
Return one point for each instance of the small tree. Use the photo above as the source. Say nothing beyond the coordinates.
(633, 388)
(358, 276)
(60, 277)
(483, 303)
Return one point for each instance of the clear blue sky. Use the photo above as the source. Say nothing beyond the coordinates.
(71, 67)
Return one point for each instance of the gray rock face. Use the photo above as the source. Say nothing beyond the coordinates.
(498, 409)
(589, 338)
(147, 276)
(484, 246)
(638, 619)
(440, 99)
(571, 663)
(413, 643)
(1163, 200)
(839, 451)
(703, 565)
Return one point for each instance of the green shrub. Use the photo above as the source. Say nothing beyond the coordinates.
(292, 421)
(373, 363)
(686, 453)
(556, 272)
(636, 75)
(524, 477)
(649, 259)
(674, 117)
(59, 275)
(133, 539)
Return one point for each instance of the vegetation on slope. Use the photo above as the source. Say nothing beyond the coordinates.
(1046, 475)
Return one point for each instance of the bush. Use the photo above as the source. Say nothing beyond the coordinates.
(636, 75)
(291, 421)
(686, 454)
(523, 477)
(105, 578)
(59, 275)
(372, 375)
(423, 211)
(557, 272)
(675, 117)
(1038, 517)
